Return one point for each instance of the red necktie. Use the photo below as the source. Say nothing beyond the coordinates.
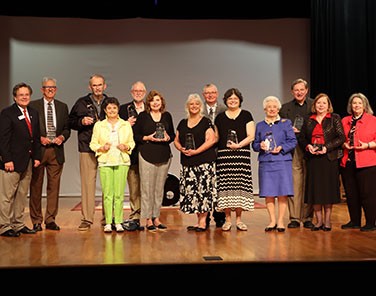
(28, 122)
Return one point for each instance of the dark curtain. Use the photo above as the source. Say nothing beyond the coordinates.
(343, 50)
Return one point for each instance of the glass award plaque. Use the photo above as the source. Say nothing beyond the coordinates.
(132, 111)
(298, 122)
(270, 142)
(189, 141)
(232, 137)
(159, 131)
(317, 143)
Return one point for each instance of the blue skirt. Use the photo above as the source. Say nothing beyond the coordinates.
(275, 178)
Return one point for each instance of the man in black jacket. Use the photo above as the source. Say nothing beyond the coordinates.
(84, 113)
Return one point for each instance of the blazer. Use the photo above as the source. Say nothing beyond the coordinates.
(62, 125)
(16, 143)
(220, 108)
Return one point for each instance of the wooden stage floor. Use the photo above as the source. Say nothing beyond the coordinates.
(296, 250)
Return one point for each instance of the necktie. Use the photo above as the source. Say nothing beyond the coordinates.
(51, 132)
(28, 122)
(211, 114)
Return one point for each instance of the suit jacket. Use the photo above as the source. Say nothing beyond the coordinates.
(16, 143)
(220, 108)
(62, 125)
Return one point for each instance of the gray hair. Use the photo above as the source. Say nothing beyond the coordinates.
(271, 99)
(367, 106)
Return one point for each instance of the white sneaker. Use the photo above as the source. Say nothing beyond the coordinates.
(107, 228)
(119, 228)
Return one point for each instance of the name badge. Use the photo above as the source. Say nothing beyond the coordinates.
(21, 117)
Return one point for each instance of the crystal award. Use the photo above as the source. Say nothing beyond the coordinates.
(232, 137)
(159, 131)
(269, 142)
(298, 122)
(132, 111)
(189, 142)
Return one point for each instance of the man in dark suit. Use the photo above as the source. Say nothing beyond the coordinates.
(54, 132)
(211, 109)
(297, 110)
(129, 111)
(20, 150)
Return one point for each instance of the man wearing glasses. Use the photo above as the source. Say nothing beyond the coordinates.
(54, 132)
(130, 111)
(211, 109)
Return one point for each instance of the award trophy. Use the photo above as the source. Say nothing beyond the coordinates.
(92, 113)
(298, 122)
(51, 133)
(232, 137)
(189, 141)
(159, 131)
(270, 142)
(317, 143)
(132, 111)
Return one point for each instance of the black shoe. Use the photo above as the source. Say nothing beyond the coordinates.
(350, 225)
(131, 225)
(293, 224)
(281, 229)
(308, 224)
(37, 227)
(191, 228)
(52, 226)
(326, 228)
(151, 228)
(219, 223)
(317, 228)
(27, 230)
(161, 226)
(368, 228)
(268, 229)
(199, 229)
(10, 233)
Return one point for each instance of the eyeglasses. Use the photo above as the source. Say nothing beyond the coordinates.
(138, 91)
(210, 93)
(53, 87)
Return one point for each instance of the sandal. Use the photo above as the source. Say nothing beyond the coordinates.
(226, 226)
(241, 226)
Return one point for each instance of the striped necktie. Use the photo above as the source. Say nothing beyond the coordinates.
(51, 131)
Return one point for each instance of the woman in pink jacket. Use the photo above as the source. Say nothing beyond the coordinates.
(358, 165)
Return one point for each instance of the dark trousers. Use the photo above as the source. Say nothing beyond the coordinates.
(360, 192)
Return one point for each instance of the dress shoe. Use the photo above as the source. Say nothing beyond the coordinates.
(10, 233)
(268, 229)
(350, 225)
(192, 228)
(325, 228)
(37, 227)
(219, 223)
(52, 226)
(368, 228)
(308, 224)
(281, 229)
(293, 224)
(27, 230)
(317, 228)
(200, 229)
(161, 226)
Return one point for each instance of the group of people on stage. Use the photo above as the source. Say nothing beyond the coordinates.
(303, 149)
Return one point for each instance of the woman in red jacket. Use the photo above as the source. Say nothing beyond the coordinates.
(358, 165)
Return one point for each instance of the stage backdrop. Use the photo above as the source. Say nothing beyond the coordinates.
(176, 57)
